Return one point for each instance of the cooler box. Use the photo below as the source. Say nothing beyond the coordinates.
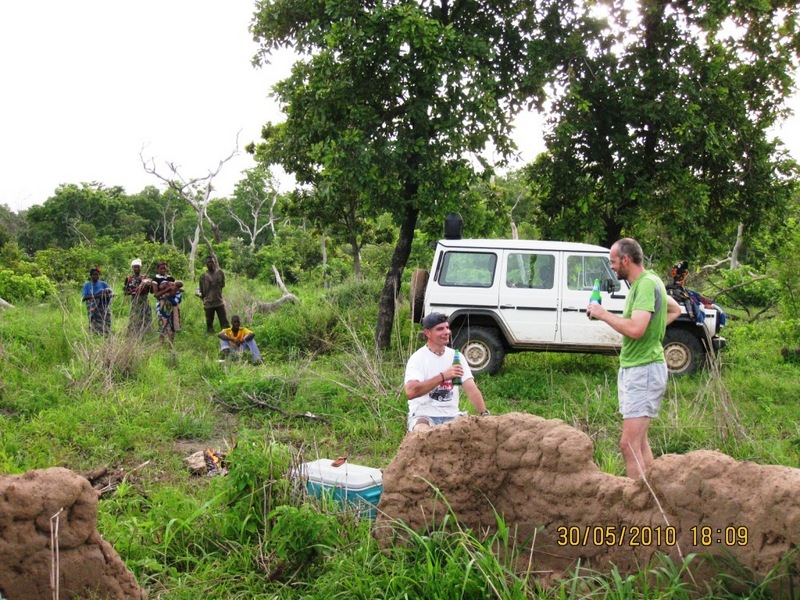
(350, 485)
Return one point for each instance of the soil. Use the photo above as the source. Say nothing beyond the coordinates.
(88, 565)
(540, 477)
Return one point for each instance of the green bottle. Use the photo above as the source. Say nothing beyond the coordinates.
(596, 297)
(456, 361)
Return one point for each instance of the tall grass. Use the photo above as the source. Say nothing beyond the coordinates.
(84, 402)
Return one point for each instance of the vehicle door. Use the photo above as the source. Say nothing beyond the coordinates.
(581, 269)
(528, 297)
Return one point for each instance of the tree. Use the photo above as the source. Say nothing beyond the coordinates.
(196, 192)
(253, 203)
(74, 215)
(661, 129)
(389, 98)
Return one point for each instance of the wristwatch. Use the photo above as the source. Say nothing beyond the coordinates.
(484, 413)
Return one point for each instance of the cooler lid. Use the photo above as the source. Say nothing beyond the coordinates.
(347, 476)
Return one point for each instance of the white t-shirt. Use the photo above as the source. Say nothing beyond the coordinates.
(441, 401)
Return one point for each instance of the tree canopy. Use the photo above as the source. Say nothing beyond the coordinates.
(391, 98)
(661, 127)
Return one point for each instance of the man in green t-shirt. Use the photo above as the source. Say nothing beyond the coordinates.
(642, 378)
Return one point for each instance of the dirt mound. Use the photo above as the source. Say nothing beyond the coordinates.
(88, 565)
(539, 475)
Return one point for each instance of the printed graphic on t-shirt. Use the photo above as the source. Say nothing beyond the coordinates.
(443, 392)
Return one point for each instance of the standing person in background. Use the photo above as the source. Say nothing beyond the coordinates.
(432, 397)
(211, 284)
(97, 296)
(137, 287)
(168, 295)
(642, 378)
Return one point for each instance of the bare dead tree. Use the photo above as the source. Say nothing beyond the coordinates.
(514, 229)
(196, 192)
(733, 255)
(268, 307)
(255, 191)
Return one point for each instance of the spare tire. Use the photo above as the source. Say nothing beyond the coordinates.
(419, 281)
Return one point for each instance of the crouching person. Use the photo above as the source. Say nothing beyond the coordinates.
(235, 339)
(432, 397)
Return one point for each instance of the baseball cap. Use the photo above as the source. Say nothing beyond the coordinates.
(433, 319)
(136, 262)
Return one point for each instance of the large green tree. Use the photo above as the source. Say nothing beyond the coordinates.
(76, 214)
(391, 98)
(661, 127)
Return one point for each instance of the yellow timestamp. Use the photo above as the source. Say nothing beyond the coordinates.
(719, 536)
(614, 535)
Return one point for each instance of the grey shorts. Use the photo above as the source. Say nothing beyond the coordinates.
(432, 421)
(641, 390)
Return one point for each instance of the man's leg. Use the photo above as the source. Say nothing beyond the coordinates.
(255, 353)
(420, 423)
(223, 317)
(635, 446)
(209, 320)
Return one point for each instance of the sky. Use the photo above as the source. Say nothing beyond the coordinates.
(89, 85)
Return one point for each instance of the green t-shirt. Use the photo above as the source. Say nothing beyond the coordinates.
(647, 293)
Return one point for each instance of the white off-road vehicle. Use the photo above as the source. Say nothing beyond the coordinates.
(506, 296)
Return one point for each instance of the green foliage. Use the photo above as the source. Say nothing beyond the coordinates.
(660, 132)
(389, 101)
(302, 535)
(744, 287)
(24, 288)
(72, 400)
(786, 267)
(258, 481)
(295, 252)
(12, 257)
(113, 258)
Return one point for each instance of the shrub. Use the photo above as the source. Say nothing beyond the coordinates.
(747, 288)
(17, 288)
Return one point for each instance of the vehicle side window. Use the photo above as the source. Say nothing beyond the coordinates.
(530, 271)
(468, 269)
(583, 270)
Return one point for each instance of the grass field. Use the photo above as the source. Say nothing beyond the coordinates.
(73, 400)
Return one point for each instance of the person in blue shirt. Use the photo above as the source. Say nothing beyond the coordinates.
(97, 296)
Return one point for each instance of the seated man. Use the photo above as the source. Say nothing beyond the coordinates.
(432, 397)
(235, 339)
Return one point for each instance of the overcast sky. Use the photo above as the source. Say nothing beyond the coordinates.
(89, 84)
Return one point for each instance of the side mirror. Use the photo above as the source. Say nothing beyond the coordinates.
(610, 286)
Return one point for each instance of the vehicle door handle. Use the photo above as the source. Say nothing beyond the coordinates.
(572, 309)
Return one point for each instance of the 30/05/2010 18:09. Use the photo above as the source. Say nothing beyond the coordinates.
(719, 536)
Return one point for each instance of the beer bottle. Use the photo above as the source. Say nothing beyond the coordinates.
(596, 297)
(456, 361)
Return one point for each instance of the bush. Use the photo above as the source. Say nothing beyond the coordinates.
(114, 258)
(19, 288)
(747, 288)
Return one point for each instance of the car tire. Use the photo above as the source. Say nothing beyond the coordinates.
(683, 352)
(482, 348)
(419, 281)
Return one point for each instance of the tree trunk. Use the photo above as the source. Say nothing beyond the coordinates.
(737, 246)
(356, 256)
(324, 250)
(613, 231)
(193, 249)
(391, 287)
